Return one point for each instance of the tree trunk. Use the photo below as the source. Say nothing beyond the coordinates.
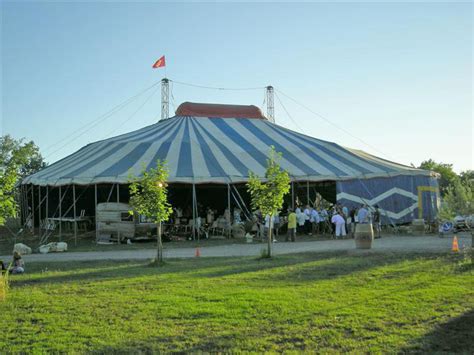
(270, 224)
(159, 251)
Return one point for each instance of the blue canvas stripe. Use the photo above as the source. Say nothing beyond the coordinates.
(74, 161)
(240, 140)
(289, 156)
(238, 165)
(213, 165)
(351, 164)
(164, 148)
(146, 131)
(185, 161)
(105, 154)
(160, 129)
(335, 170)
(127, 161)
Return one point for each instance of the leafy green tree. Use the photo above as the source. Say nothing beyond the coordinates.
(448, 176)
(458, 200)
(17, 160)
(149, 197)
(467, 175)
(268, 195)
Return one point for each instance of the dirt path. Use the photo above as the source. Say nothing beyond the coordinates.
(387, 244)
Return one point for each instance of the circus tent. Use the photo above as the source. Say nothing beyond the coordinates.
(220, 144)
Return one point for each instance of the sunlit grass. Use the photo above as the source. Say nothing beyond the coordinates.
(305, 302)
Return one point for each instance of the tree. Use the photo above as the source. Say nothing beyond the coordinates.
(149, 197)
(448, 176)
(17, 160)
(458, 200)
(268, 195)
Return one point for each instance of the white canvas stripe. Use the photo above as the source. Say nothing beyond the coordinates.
(253, 139)
(244, 157)
(199, 162)
(323, 155)
(297, 151)
(219, 155)
(73, 162)
(175, 149)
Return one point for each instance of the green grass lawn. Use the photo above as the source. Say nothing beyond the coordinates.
(304, 302)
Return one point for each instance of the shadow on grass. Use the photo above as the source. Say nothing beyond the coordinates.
(304, 267)
(455, 336)
(312, 266)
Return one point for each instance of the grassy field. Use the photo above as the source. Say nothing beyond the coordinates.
(307, 302)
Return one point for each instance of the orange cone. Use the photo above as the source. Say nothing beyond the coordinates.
(198, 252)
(455, 247)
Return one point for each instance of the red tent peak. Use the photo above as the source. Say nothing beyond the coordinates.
(219, 110)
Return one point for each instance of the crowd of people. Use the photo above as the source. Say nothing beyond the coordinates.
(336, 220)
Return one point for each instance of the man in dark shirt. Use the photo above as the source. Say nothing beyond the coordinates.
(376, 222)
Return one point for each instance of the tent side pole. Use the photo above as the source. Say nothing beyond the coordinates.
(307, 193)
(228, 207)
(47, 201)
(60, 212)
(74, 211)
(118, 193)
(95, 212)
(292, 196)
(39, 208)
(194, 216)
(33, 208)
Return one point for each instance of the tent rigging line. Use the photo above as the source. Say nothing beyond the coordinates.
(134, 113)
(287, 113)
(88, 126)
(215, 87)
(330, 122)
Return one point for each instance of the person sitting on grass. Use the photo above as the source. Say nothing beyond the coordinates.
(18, 266)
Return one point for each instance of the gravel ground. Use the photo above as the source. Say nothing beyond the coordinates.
(387, 244)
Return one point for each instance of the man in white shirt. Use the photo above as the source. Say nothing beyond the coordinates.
(363, 215)
(340, 224)
(307, 222)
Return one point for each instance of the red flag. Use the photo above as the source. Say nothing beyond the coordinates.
(159, 63)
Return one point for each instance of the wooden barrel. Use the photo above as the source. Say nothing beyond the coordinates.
(364, 235)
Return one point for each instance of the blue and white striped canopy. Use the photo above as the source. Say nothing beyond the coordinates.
(214, 150)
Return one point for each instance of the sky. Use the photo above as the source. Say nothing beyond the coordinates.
(393, 79)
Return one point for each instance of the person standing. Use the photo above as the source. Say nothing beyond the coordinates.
(377, 222)
(276, 225)
(352, 217)
(363, 215)
(291, 226)
(314, 221)
(307, 220)
(301, 220)
(340, 224)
